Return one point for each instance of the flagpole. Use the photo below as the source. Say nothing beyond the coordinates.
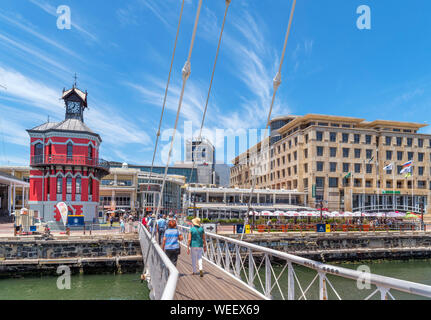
(377, 180)
(363, 196)
(413, 197)
(393, 186)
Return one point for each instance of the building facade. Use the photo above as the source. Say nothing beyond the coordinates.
(65, 163)
(13, 194)
(341, 161)
(211, 202)
(132, 190)
(198, 167)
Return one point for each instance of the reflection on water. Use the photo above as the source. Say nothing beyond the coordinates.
(85, 287)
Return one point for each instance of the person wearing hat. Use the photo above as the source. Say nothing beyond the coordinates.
(197, 244)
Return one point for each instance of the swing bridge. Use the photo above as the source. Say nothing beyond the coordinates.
(238, 270)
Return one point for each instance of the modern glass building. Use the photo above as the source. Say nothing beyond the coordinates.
(176, 170)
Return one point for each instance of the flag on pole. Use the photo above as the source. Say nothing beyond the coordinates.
(347, 176)
(409, 172)
(406, 167)
(389, 167)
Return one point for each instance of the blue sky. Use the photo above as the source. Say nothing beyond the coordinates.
(121, 51)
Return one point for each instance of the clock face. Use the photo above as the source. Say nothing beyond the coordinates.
(73, 107)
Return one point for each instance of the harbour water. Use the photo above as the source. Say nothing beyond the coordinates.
(129, 286)
(83, 287)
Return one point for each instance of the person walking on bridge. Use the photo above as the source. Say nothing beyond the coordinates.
(171, 244)
(198, 245)
(161, 227)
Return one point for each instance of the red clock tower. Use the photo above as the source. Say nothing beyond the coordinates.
(65, 164)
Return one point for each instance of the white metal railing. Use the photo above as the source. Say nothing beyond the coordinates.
(256, 267)
(161, 274)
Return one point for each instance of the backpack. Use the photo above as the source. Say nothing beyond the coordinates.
(161, 223)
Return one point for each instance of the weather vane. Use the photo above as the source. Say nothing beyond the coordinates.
(75, 77)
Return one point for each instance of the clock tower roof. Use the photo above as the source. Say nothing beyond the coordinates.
(75, 91)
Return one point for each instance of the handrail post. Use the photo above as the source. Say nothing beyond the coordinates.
(238, 262)
(250, 268)
(267, 276)
(290, 282)
(323, 292)
(383, 293)
(226, 256)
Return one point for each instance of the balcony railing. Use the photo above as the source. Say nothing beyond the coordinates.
(69, 160)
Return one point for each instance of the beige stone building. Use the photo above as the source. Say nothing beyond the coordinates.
(314, 154)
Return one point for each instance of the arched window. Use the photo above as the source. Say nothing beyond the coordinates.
(48, 186)
(90, 186)
(69, 185)
(49, 152)
(59, 185)
(69, 150)
(38, 152)
(78, 185)
(90, 152)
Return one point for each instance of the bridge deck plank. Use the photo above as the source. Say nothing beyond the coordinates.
(214, 285)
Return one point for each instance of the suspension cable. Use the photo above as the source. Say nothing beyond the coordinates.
(185, 75)
(276, 85)
(164, 101)
(211, 82)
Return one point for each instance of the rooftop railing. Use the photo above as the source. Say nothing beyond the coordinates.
(40, 160)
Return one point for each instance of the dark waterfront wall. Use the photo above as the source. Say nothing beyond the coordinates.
(93, 254)
(348, 247)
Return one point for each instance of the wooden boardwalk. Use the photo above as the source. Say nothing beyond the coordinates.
(214, 285)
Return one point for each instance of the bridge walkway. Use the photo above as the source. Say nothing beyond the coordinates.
(216, 284)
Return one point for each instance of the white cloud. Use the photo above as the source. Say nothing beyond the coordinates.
(30, 91)
(30, 30)
(22, 47)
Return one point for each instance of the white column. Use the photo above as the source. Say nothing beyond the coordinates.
(132, 201)
(9, 195)
(23, 197)
(14, 195)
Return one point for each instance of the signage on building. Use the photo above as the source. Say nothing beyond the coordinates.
(390, 192)
(247, 229)
(313, 191)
